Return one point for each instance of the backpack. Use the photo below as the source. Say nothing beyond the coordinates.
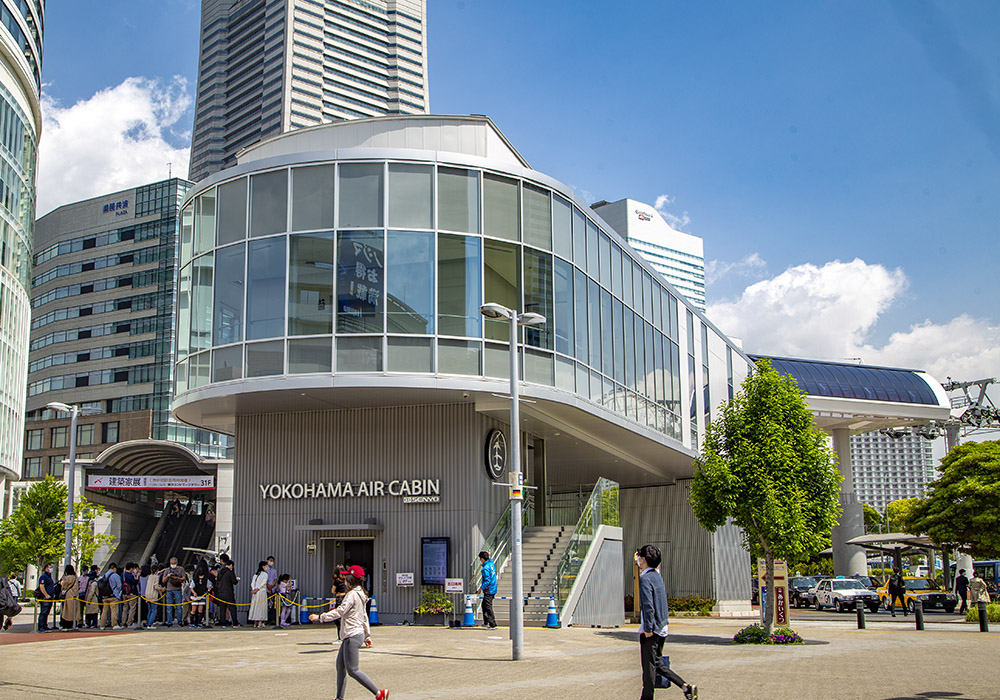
(104, 589)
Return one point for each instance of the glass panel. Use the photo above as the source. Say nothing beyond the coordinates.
(459, 357)
(537, 217)
(538, 297)
(312, 198)
(636, 287)
(410, 195)
(187, 233)
(459, 284)
(580, 308)
(502, 272)
(629, 343)
(582, 380)
(266, 289)
(594, 321)
(563, 306)
(647, 298)
(232, 212)
(227, 363)
(410, 355)
(596, 388)
(228, 315)
(458, 200)
(672, 308)
(627, 280)
(359, 354)
(497, 361)
(604, 250)
(310, 284)
(180, 380)
(640, 355)
(657, 318)
(607, 337)
(616, 270)
(183, 312)
(593, 265)
(265, 359)
(202, 274)
(539, 367)
(579, 239)
(269, 203)
(650, 366)
(360, 283)
(618, 340)
(562, 227)
(410, 282)
(565, 374)
(199, 370)
(500, 207)
(204, 230)
(360, 195)
(310, 355)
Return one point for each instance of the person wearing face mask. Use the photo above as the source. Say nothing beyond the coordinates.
(45, 593)
(653, 627)
(272, 588)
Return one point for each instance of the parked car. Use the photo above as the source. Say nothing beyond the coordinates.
(868, 582)
(925, 590)
(799, 587)
(844, 594)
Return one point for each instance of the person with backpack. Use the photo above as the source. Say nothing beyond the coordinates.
(8, 604)
(130, 596)
(92, 608)
(896, 588)
(45, 593)
(109, 588)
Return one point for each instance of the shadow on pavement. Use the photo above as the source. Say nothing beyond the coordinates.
(691, 639)
(929, 694)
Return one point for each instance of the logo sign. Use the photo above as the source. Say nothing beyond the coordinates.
(157, 483)
(454, 585)
(643, 216)
(404, 579)
(117, 208)
(496, 454)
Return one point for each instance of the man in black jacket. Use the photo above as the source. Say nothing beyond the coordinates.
(962, 590)
(225, 595)
(653, 628)
(896, 588)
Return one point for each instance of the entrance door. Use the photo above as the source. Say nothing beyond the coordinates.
(345, 553)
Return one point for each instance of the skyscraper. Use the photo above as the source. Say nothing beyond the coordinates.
(20, 124)
(678, 256)
(269, 66)
(887, 469)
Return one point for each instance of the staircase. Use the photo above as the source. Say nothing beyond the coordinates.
(541, 550)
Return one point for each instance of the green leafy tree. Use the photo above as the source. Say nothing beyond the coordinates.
(766, 467)
(899, 514)
(963, 504)
(35, 531)
(873, 519)
(86, 540)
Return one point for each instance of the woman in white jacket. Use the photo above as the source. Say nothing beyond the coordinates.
(354, 633)
(258, 601)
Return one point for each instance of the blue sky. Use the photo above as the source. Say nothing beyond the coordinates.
(788, 135)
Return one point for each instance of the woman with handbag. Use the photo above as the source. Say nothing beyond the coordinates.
(69, 587)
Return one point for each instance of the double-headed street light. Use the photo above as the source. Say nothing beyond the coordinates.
(74, 411)
(498, 311)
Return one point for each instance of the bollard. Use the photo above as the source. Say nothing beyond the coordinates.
(859, 607)
(469, 618)
(918, 614)
(984, 623)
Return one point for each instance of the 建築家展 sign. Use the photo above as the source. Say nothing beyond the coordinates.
(173, 483)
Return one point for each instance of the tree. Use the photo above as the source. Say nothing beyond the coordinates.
(766, 467)
(963, 504)
(35, 531)
(86, 540)
(873, 519)
(898, 513)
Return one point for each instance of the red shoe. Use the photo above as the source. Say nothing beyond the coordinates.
(382, 695)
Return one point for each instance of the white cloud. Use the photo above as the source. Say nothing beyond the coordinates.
(677, 221)
(751, 265)
(828, 312)
(121, 137)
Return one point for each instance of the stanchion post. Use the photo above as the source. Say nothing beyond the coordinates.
(984, 622)
(918, 614)
(859, 607)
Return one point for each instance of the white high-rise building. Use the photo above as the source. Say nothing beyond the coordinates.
(678, 256)
(888, 469)
(270, 66)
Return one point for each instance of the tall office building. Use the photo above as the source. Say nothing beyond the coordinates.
(102, 292)
(678, 256)
(21, 31)
(888, 469)
(269, 66)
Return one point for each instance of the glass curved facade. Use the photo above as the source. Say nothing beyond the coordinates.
(381, 266)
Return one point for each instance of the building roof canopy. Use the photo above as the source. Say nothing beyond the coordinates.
(153, 457)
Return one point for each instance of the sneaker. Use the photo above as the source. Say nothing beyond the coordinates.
(382, 695)
(691, 692)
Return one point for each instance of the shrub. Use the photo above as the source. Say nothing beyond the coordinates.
(756, 634)
(701, 606)
(785, 635)
(433, 602)
(992, 613)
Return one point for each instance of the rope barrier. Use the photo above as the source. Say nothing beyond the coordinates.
(157, 602)
(291, 602)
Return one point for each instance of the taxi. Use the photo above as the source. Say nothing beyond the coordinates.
(923, 589)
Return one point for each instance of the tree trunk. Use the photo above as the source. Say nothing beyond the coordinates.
(769, 604)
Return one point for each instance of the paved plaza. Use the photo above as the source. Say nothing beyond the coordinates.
(889, 660)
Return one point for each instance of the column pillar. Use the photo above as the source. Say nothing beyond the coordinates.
(847, 559)
(541, 482)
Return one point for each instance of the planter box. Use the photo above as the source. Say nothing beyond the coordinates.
(429, 620)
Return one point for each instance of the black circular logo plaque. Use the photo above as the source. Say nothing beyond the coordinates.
(496, 454)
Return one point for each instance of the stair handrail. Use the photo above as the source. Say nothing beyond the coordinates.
(602, 508)
(497, 543)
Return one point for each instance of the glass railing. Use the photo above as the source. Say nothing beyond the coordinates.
(601, 509)
(497, 543)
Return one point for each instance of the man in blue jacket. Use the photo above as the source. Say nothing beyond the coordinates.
(111, 598)
(653, 627)
(488, 589)
(47, 589)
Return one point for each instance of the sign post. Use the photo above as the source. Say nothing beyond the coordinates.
(780, 610)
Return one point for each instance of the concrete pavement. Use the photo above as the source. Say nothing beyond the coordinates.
(885, 662)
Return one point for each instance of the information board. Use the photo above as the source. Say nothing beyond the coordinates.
(434, 560)
(404, 579)
(454, 585)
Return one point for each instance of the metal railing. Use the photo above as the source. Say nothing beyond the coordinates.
(497, 543)
(601, 509)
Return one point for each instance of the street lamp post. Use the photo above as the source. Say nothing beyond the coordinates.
(498, 311)
(74, 411)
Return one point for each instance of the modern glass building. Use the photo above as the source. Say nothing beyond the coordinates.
(21, 29)
(328, 317)
(269, 66)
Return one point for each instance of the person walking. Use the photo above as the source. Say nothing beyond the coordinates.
(962, 590)
(109, 588)
(488, 589)
(9, 607)
(45, 593)
(258, 596)
(653, 626)
(225, 595)
(354, 633)
(978, 592)
(896, 587)
(173, 579)
(70, 588)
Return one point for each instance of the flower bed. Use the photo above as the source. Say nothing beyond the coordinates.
(756, 634)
